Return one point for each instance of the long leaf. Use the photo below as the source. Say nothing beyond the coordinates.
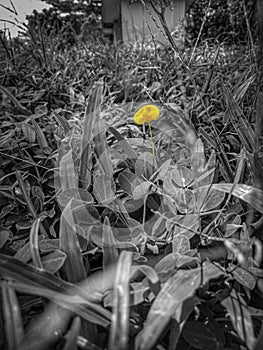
(41, 138)
(240, 317)
(87, 310)
(110, 252)
(251, 195)
(29, 203)
(13, 268)
(67, 175)
(34, 244)
(86, 163)
(18, 105)
(120, 318)
(132, 155)
(174, 292)
(240, 124)
(12, 317)
(72, 335)
(92, 289)
(68, 242)
(104, 189)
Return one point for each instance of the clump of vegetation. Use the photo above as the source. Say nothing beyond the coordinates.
(129, 233)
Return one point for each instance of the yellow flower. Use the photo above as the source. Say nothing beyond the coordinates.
(146, 114)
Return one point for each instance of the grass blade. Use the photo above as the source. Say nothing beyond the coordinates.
(119, 332)
(239, 122)
(73, 267)
(110, 252)
(101, 147)
(67, 174)
(174, 292)
(86, 163)
(240, 317)
(34, 244)
(12, 317)
(19, 271)
(41, 138)
(72, 335)
(123, 143)
(251, 195)
(18, 105)
(104, 189)
(29, 203)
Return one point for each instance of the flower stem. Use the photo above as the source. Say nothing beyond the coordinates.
(151, 137)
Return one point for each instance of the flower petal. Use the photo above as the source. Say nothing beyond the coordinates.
(146, 114)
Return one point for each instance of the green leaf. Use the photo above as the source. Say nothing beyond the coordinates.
(45, 245)
(243, 277)
(167, 266)
(12, 317)
(207, 198)
(161, 172)
(141, 191)
(184, 200)
(159, 226)
(145, 165)
(151, 276)
(91, 117)
(169, 186)
(199, 336)
(182, 176)
(63, 123)
(123, 143)
(18, 105)
(231, 224)
(101, 147)
(79, 197)
(251, 195)
(4, 235)
(67, 175)
(41, 138)
(178, 320)
(187, 225)
(104, 189)
(240, 317)
(72, 334)
(206, 178)
(198, 160)
(109, 249)
(213, 200)
(92, 289)
(73, 267)
(139, 291)
(129, 181)
(19, 271)
(174, 292)
(180, 244)
(119, 331)
(53, 261)
(34, 250)
(29, 132)
(46, 328)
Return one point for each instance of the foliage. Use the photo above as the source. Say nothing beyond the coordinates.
(224, 20)
(132, 250)
(65, 21)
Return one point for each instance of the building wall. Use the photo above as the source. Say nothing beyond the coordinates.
(110, 11)
(138, 24)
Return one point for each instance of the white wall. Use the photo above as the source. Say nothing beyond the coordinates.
(136, 20)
